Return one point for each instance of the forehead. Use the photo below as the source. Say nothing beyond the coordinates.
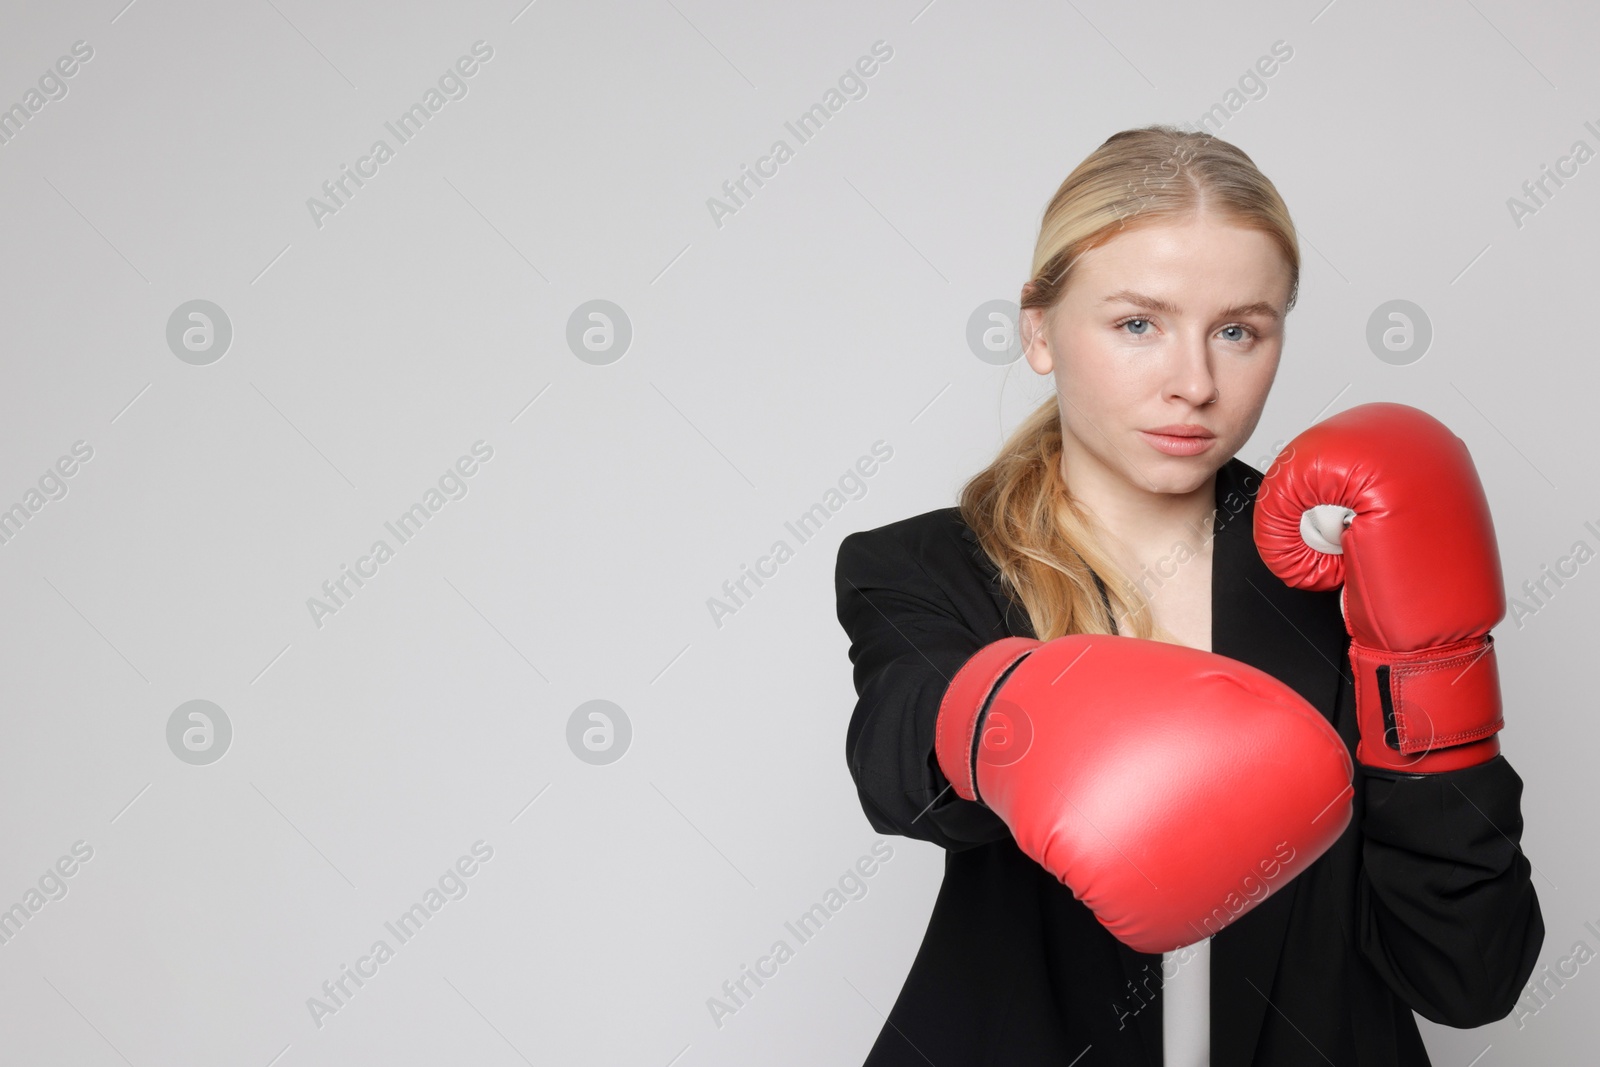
(1201, 265)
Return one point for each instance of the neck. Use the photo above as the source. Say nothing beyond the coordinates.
(1137, 524)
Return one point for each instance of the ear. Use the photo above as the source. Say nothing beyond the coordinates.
(1036, 346)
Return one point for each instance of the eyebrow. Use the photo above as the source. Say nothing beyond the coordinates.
(1151, 303)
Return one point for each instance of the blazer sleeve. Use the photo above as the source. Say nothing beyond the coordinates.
(907, 640)
(1447, 911)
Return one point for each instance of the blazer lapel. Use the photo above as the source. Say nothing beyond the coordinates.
(1290, 634)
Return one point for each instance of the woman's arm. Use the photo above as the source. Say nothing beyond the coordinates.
(906, 641)
(1446, 909)
(1384, 500)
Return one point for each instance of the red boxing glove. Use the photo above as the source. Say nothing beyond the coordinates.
(1171, 789)
(1385, 499)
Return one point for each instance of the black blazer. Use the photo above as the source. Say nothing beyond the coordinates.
(1423, 904)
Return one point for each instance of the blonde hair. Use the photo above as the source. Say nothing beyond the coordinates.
(1039, 537)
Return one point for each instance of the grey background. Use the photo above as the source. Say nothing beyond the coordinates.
(767, 356)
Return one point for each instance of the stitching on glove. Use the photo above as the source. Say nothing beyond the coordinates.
(983, 716)
(939, 721)
(1399, 674)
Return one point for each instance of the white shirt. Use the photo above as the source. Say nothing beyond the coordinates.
(1186, 1006)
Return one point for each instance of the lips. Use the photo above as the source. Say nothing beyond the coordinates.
(1180, 440)
(1186, 430)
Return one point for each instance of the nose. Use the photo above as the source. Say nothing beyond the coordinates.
(1191, 378)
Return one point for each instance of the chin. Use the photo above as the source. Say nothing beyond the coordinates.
(1180, 476)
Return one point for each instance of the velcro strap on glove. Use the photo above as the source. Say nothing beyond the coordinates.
(1437, 698)
(965, 702)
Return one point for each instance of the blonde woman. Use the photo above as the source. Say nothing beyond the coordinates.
(1187, 732)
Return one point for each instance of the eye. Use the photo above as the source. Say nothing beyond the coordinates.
(1143, 324)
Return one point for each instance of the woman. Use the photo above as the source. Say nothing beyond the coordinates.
(1165, 266)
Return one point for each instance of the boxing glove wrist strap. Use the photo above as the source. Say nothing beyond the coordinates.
(965, 702)
(1433, 710)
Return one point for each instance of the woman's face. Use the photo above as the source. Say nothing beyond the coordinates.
(1153, 324)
